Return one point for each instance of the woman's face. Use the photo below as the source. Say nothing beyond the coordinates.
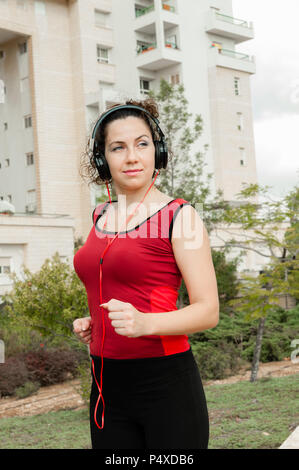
(129, 146)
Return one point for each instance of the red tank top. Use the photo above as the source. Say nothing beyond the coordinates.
(139, 268)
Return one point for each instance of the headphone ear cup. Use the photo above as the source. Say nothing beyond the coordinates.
(157, 155)
(161, 154)
(101, 165)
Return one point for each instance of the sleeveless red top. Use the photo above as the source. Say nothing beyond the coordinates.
(138, 268)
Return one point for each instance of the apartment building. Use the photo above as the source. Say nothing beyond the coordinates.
(63, 61)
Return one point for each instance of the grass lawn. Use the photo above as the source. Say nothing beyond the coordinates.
(258, 415)
(243, 415)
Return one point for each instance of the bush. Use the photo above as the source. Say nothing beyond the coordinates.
(49, 367)
(29, 388)
(84, 374)
(216, 362)
(13, 374)
(44, 367)
(223, 350)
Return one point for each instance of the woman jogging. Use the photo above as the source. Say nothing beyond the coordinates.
(146, 388)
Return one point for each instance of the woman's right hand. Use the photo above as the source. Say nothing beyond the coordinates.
(82, 329)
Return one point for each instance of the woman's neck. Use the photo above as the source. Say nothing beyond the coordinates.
(125, 199)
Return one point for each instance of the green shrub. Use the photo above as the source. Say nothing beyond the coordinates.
(13, 374)
(216, 362)
(45, 367)
(29, 388)
(223, 350)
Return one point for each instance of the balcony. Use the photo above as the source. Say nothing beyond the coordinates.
(152, 57)
(142, 48)
(145, 24)
(227, 26)
(171, 45)
(231, 59)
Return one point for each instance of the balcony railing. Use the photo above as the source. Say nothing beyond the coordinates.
(145, 48)
(230, 19)
(236, 55)
(144, 11)
(170, 44)
(168, 7)
(233, 54)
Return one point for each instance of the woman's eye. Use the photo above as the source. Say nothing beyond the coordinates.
(116, 148)
(143, 143)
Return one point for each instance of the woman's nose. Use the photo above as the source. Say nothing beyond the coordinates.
(132, 153)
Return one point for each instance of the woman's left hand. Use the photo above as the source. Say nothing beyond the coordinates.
(126, 319)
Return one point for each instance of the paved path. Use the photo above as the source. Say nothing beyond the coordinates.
(292, 442)
(52, 398)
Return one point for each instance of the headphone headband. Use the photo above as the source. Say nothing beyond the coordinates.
(116, 108)
(98, 158)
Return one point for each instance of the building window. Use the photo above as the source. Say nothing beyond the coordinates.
(23, 48)
(242, 156)
(2, 91)
(21, 4)
(29, 159)
(9, 197)
(237, 86)
(2, 55)
(5, 126)
(144, 87)
(101, 18)
(7, 162)
(4, 265)
(102, 54)
(240, 121)
(175, 79)
(31, 201)
(27, 121)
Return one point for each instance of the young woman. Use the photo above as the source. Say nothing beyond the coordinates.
(146, 391)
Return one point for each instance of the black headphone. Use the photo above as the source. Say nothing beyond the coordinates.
(161, 150)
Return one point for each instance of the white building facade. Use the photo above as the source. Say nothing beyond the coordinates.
(63, 61)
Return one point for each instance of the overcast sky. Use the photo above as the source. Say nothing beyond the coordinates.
(275, 89)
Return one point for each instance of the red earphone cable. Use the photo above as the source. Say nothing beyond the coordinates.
(100, 387)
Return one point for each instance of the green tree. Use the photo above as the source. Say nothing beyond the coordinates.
(227, 278)
(271, 230)
(47, 301)
(185, 176)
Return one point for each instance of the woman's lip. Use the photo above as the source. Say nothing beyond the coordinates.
(132, 171)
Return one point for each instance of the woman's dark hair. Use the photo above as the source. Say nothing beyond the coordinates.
(88, 169)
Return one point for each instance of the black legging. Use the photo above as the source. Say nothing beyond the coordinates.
(150, 403)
